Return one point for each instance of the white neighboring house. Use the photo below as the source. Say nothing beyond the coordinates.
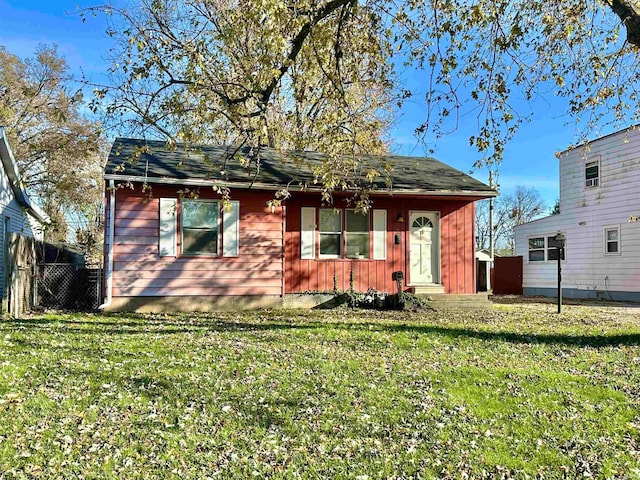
(17, 213)
(599, 198)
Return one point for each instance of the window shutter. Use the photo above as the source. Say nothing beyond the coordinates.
(307, 232)
(379, 234)
(230, 229)
(168, 227)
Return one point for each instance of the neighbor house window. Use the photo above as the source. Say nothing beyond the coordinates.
(543, 249)
(536, 249)
(592, 174)
(612, 241)
(552, 250)
(357, 234)
(199, 227)
(330, 227)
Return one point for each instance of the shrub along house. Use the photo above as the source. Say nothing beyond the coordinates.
(168, 249)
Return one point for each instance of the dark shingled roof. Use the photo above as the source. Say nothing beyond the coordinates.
(409, 174)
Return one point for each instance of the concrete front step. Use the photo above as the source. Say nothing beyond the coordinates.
(427, 289)
(440, 301)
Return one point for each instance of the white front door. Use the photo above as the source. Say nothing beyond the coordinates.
(423, 248)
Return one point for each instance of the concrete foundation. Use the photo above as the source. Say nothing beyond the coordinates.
(577, 293)
(292, 300)
(193, 304)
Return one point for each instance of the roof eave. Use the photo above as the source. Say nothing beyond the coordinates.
(200, 182)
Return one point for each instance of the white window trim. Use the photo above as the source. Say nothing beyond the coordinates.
(606, 229)
(546, 249)
(218, 249)
(592, 161)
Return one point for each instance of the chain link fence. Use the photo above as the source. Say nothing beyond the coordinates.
(66, 286)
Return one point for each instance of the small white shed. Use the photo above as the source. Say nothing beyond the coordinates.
(483, 270)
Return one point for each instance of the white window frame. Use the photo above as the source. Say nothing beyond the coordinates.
(367, 233)
(342, 255)
(204, 254)
(543, 248)
(605, 239)
(340, 233)
(592, 182)
(546, 237)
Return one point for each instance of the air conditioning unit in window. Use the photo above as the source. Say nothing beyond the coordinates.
(591, 182)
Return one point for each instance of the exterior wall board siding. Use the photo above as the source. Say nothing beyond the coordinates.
(584, 213)
(456, 243)
(139, 271)
(269, 262)
(19, 220)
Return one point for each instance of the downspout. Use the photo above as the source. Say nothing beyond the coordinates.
(108, 274)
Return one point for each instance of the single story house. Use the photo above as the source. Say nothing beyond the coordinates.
(166, 249)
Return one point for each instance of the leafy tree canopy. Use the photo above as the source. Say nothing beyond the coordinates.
(57, 149)
(325, 74)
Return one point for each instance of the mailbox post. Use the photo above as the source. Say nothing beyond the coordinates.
(398, 277)
(560, 239)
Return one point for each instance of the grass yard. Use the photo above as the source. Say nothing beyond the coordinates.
(515, 392)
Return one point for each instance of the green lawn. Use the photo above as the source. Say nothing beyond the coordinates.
(515, 392)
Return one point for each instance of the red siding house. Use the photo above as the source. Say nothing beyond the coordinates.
(171, 243)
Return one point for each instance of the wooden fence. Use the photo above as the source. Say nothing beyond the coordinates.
(19, 274)
(507, 276)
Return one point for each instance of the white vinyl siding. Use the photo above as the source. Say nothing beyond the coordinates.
(307, 232)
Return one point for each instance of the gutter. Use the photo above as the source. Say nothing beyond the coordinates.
(110, 238)
(264, 186)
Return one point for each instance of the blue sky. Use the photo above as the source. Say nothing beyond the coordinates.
(529, 159)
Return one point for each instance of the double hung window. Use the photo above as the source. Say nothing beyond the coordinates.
(552, 250)
(544, 249)
(200, 227)
(592, 174)
(612, 241)
(357, 234)
(330, 233)
(343, 233)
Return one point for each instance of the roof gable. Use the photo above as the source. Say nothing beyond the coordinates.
(213, 164)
